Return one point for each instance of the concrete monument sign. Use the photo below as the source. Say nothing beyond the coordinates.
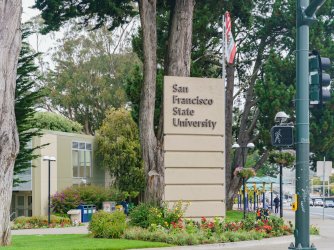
(194, 143)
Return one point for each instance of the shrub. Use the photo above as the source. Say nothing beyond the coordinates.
(139, 216)
(108, 225)
(175, 213)
(72, 197)
(40, 222)
(314, 230)
(145, 215)
(248, 223)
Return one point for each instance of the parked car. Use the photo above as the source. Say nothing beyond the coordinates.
(318, 202)
(311, 202)
(329, 203)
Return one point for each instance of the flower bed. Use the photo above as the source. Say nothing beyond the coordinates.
(190, 232)
(167, 225)
(40, 222)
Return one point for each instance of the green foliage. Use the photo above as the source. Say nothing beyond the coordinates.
(244, 172)
(184, 238)
(51, 121)
(174, 213)
(91, 65)
(72, 197)
(40, 222)
(27, 97)
(118, 150)
(58, 12)
(268, 169)
(108, 225)
(139, 216)
(146, 215)
(314, 230)
(285, 159)
(275, 92)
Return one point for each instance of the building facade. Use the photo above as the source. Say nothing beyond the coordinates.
(74, 165)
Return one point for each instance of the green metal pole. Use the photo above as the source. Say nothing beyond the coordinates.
(302, 220)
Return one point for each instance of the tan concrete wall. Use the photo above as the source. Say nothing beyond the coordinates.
(36, 177)
(199, 159)
(40, 175)
(194, 148)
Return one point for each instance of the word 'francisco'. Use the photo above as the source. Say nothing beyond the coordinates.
(196, 101)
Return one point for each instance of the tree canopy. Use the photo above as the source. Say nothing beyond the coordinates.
(89, 74)
(55, 122)
(27, 97)
(118, 151)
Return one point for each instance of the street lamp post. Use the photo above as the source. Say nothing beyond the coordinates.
(271, 196)
(49, 159)
(236, 146)
(281, 118)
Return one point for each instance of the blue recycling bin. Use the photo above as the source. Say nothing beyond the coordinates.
(87, 212)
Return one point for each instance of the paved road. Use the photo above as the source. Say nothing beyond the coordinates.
(318, 211)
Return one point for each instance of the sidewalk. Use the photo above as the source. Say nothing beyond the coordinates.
(65, 230)
(278, 243)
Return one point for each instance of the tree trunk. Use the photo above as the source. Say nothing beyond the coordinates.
(10, 43)
(178, 64)
(150, 149)
(180, 34)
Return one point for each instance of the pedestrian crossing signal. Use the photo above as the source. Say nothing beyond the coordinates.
(282, 136)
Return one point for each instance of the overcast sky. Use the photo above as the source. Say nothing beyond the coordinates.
(28, 12)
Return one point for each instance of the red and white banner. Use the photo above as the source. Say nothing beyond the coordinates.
(230, 47)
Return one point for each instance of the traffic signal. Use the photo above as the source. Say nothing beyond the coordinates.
(319, 80)
(282, 136)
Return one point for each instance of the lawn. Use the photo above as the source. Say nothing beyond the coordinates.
(75, 241)
(234, 215)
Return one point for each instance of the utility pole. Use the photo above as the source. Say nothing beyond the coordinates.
(305, 16)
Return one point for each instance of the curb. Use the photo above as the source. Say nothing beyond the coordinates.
(240, 244)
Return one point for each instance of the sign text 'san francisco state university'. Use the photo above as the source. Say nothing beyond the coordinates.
(193, 106)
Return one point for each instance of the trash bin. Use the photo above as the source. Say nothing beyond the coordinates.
(87, 212)
(109, 206)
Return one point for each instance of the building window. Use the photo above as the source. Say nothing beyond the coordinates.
(82, 159)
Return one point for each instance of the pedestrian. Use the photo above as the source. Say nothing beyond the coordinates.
(276, 201)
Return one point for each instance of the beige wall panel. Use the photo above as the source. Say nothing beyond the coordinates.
(194, 143)
(198, 209)
(36, 176)
(197, 115)
(65, 169)
(49, 150)
(194, 159)
(194, 192)
(194, 176)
